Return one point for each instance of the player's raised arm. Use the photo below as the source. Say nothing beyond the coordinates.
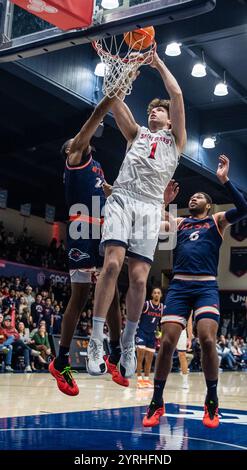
(232, 215)
(80, 143)
(124, 117)
(125, 120)
(177, 113)
(169, 223)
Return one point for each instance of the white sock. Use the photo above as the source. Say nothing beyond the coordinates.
(98, 328)
(129, 331)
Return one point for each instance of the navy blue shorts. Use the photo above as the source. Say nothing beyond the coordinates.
(183, 297)
(144, 339)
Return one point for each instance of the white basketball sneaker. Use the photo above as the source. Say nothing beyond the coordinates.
(95, 357)
(128, 359)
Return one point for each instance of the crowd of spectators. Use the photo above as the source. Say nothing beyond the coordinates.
(24, 250)
(232, 353)
(30, 315)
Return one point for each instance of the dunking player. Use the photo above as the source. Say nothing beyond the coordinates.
(84, 183)
(145, 337)
(133, 213)
(194, 286)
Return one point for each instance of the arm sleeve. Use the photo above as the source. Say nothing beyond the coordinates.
(238, 199)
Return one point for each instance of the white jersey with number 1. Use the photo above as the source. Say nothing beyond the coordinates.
(149, 164)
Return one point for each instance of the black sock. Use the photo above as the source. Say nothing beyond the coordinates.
(63, 358)
(212, 391)
(159, 386)
(115, 353)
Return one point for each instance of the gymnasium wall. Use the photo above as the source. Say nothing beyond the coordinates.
(226, 279)
(237, 154)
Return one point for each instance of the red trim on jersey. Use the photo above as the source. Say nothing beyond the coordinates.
(217, 226)
(181, 221)
(98, 170)
(149, 305)
(78, 167)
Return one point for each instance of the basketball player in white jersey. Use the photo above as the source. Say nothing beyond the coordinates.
(133, 212)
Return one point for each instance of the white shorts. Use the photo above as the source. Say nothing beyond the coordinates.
(84, 276)
(132, 221)
(182, 341)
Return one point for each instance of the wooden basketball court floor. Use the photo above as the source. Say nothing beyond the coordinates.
(105, 416)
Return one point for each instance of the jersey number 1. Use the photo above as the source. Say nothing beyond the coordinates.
(153, 150)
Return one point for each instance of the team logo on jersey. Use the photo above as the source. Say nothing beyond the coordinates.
(77, 255)
(194, 236)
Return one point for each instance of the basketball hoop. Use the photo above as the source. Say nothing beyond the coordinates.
(122, 58)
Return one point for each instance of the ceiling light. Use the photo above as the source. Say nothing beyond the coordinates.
(109, 4)
(209, 142)
(173, 49)
(100, 69)
(221, 88)
(199, 69)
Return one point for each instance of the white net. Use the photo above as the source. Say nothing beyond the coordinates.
(122, 62)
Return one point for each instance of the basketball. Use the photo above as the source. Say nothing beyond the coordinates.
(138, 40)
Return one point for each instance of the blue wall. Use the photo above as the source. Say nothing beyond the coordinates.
(238, 160)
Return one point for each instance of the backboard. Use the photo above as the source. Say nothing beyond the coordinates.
(25, 35)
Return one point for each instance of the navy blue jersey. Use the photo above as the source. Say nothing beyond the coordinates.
(198, 245)
(150, 317)
(83, 183)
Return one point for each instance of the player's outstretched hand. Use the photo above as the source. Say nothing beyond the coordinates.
(156, 61)
(107, 188)
(171, 192)
(223, 169)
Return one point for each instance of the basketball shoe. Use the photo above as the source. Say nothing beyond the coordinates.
(95, 362)
(147, 383)
(65, 381)
(154, 412)
(128, 359)
(116, 376)
(140, 383)
(211, 415)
